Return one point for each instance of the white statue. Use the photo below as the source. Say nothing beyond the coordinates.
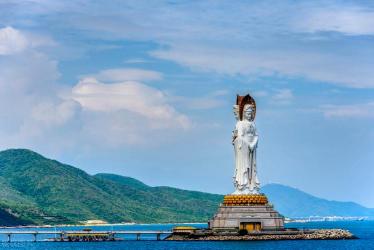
(245, 141)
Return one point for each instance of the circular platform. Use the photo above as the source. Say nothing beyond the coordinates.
(245, 199)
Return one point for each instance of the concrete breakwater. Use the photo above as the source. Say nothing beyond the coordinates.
(318, 234)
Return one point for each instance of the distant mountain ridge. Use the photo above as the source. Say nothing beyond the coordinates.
(37, 190)
(294, 203)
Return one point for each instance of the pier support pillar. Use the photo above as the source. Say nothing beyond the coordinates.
(137, 236)
(9, 237)
(35, 234)
(158, 236)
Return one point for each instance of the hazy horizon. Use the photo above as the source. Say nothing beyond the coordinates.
(146, 90)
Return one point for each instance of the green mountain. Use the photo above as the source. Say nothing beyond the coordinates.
(37, 190)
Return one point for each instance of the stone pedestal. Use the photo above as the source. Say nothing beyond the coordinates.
(250, 212)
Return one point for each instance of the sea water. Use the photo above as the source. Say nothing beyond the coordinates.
(362, 229)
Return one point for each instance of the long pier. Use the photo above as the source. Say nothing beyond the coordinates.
(60, 234)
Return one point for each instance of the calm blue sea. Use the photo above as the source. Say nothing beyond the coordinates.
(363, 229)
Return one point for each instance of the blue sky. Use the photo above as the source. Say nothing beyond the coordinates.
(145, 89)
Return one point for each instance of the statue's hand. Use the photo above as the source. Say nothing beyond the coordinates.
(252, 146)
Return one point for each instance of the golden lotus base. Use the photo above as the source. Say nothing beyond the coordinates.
(244, 199)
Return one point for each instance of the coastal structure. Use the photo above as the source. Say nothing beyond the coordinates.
(246, 208)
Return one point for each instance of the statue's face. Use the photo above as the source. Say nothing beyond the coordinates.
(248, 112)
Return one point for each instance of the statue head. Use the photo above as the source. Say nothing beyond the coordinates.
(245, 108)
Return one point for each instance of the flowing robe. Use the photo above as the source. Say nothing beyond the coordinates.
(245, 146)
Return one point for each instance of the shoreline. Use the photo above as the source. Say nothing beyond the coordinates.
(313, 234)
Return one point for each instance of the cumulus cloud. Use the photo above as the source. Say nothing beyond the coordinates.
(14, 41)
(29, 104)
(110, 108)
(11, 41)
(130, 96)
(52, 114)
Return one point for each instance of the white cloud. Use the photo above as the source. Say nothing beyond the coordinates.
(365, 110)
(12, 41)
(257, 39)
(52, 114)
(127, 74)
(130, 96)
(347, 20)
(249, 38)
(29, 105)
(116, 110)
(332, 69)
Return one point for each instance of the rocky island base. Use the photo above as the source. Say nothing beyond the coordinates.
(289, 234)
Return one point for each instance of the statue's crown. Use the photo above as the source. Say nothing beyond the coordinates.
(241, 101)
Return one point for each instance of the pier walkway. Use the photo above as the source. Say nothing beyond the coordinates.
(62, 234)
